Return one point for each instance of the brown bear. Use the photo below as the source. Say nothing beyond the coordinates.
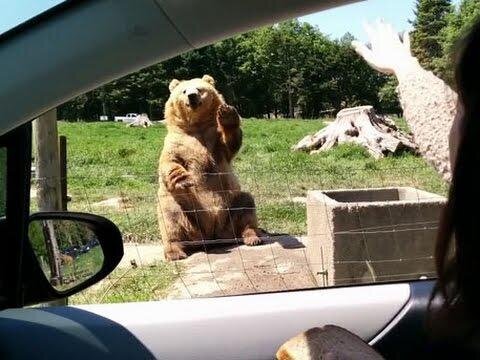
(199, 195)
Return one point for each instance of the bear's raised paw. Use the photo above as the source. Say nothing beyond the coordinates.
(227, 116)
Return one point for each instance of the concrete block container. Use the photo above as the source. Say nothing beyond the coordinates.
(372, 235)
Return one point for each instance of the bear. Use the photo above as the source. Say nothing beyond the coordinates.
(199, 196)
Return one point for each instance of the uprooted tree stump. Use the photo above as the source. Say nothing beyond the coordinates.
(141, 120)
(362, 126)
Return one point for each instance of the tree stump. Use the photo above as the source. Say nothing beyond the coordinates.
(362, 126)
(141, 120)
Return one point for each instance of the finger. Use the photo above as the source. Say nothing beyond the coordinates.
(406, 41)
(392, 33)
(386, 32)
(371, 33)
(362, 50)
(368, 55)
(381, 30)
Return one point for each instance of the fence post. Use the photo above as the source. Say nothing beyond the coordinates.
(63, 171)
(47, 168)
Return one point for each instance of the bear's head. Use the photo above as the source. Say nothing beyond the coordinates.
(192, 102)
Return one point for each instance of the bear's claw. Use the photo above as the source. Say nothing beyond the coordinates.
(251, 237)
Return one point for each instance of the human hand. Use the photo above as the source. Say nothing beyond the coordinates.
(388, 53)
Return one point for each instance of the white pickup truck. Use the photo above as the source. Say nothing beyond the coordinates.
(130, 117)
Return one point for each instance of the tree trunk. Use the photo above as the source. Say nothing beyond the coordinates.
(359, 125)
(291, 115)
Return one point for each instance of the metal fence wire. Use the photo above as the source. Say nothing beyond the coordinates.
(310, 240)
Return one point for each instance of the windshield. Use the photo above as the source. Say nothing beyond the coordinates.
(16, 12)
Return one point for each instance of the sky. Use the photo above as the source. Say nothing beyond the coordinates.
(14, 12)
(335, 22)
(349, 18)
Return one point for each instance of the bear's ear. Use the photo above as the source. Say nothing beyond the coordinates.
(208, 79)
(173, 84)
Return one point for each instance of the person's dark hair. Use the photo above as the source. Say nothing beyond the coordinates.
(457, 251)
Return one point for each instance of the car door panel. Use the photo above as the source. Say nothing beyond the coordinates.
(239, 327)
(409, 326)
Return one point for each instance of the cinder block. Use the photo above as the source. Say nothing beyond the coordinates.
(372, 235)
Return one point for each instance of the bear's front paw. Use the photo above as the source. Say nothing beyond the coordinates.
(179, 179)
(174, 252)
(251, 237)
(228, 116)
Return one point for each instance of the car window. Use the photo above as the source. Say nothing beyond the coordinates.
(272, 212)
(15, 13)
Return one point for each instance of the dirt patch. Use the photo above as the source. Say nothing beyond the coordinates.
(279, 264)
(115, 203)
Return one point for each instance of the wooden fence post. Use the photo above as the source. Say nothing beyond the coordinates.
(47, 162)
(63, 172)
(49, 192)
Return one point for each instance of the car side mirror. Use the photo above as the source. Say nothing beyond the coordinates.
(72, 251)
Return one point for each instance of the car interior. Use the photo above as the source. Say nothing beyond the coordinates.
(75, 47)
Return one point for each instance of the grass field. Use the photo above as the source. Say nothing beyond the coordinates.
(107, 160)
(128, 285)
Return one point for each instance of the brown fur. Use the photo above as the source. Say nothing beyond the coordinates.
(199, 196)
(66, 259)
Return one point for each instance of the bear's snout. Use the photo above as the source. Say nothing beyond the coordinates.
(193, 96)
(193, 100)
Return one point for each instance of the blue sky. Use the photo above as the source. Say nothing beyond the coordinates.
(335, 22)
(349, 18)
(14, 12)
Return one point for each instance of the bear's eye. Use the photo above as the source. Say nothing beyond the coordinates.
(184, 91)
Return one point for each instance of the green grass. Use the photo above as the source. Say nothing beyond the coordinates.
(84, 266)
(127, 285)
(109, 160)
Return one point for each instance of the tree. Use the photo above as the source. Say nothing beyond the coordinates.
(388, 97)
(459, 23)
(289, 69)
(431, 19)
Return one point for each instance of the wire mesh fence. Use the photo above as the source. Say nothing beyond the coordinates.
(306, 244)
(283, 262)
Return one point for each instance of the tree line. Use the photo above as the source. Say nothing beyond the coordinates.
(289, 70)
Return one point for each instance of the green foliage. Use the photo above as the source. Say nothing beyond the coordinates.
(439, 29)
(431, 19)
(459, 23)
(290, 69)
(82, 268)
(388, 97)
(127, 285)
